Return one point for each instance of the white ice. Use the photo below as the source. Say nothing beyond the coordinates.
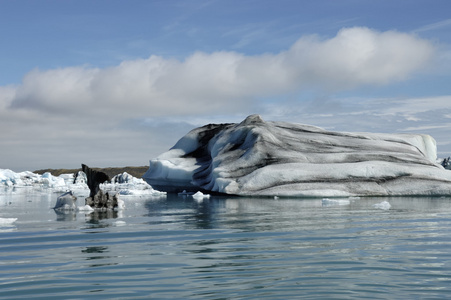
(384, 205)
(127, 185)
(62, 183)
(66, 201)
(199, 196)
(129, 188)
(85, 208)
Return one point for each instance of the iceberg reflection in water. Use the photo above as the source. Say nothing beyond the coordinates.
(177, 247)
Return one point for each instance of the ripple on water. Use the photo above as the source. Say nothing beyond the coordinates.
(230, 248)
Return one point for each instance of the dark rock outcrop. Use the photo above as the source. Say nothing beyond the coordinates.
(446, 163)
(94, 178)
(103, 200)
(97, 197)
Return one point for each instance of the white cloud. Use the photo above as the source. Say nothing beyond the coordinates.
(206, 82)
(77, 114)
(359, 56)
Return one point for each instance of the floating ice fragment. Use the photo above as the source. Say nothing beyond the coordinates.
(120, 223)
(199, 196)
(66, 201)
(85, 208)
(382, 205)
(332, 202)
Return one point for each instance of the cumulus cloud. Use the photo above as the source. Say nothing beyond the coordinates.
(201, 82)
(83, 113)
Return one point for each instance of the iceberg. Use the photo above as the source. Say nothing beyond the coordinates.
(263, 158)
(123, 184)
(128, 185)
(11, 179)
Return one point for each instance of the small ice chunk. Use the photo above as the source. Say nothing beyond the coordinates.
(85, 208)
(120, 223)
(199, 196)
(66, 201)
(382, 205)
(332, 202)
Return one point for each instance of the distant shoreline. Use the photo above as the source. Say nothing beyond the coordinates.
(137, 172)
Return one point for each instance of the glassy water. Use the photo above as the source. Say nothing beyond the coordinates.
(227, 248)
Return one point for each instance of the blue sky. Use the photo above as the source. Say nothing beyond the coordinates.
(115, 83)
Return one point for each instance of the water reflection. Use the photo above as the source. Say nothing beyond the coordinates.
(266, 214)
(95, 249)
(96, 216)
(65, 215)
(229, 247)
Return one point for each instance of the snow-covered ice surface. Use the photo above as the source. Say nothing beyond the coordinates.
(258, 158)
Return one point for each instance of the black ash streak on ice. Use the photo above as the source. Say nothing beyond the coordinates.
(258, 158)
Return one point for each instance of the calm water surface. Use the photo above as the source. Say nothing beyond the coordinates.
(226, 248)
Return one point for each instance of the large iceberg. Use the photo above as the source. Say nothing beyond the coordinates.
(258, 158)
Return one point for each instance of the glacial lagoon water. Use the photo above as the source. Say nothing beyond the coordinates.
(226, 248)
